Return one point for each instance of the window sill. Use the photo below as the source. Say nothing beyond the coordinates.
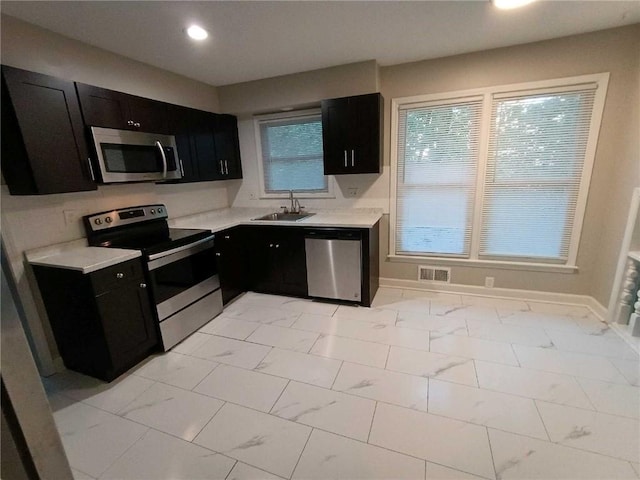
(531, 267)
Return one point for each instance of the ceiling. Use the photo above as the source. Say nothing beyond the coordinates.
(253, 40)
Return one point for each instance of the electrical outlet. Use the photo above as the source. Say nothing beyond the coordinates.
(352, 191)
(488, 282)
(71, 217)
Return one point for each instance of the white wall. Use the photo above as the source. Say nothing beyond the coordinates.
(34, 221)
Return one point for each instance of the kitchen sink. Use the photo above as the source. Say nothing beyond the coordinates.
(284, 217)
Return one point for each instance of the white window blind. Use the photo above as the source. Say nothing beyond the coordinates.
(292, 157)
(537, 146)
(438, 147)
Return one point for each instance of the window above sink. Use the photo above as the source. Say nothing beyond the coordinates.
(290, 155)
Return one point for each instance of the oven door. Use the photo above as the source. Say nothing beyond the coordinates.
(125, 156)
(181, 276)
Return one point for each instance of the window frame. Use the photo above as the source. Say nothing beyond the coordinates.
(488, 94)
(258, 120)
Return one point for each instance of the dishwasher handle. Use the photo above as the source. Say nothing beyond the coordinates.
(334, 234)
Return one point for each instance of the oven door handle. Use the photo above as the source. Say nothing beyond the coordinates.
(163, 258)
(164, 159)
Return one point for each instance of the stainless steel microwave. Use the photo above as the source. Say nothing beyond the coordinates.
(125, 156)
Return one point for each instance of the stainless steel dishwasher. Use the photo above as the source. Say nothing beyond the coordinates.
(334, 263)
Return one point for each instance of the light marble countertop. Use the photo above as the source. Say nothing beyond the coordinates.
(77, 255)
(217, 220)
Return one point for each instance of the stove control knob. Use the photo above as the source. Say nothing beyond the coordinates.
(108, 220)
(160, 210)
(152, 211)
(98, 221)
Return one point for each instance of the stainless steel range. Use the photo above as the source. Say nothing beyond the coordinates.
(180, 265)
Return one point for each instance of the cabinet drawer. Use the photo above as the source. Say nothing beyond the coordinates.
(116, 275)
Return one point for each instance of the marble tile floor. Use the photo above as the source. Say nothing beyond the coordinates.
(423, 385)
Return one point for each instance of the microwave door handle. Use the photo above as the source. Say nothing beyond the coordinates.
(164, 159)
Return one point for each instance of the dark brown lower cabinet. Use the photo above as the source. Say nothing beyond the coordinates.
(102, 321)
(278, 262)
(233, 265)
(272, 260)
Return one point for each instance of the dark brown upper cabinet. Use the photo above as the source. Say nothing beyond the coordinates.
(228, 147)
(207, 144)
(352, 134)
(44, 149)
(110, 109)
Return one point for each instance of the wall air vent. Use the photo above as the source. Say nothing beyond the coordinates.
(434, 274)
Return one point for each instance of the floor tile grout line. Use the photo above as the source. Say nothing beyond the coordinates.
(337, 375)
(546, 430)
(232, 467)
(123, 453)
(204, 378)
(375, 407)
(301, 453)
(596, 409)
(493, 460)
(623, 376)
(207, 423)
(279, 397)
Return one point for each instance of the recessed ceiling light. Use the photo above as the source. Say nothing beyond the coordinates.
(509, 4)
(197, 33)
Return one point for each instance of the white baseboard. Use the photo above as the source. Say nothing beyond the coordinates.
(510, 293)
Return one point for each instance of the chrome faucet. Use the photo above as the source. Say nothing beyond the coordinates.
(295, 204)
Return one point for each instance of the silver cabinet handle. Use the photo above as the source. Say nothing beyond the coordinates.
(345, 159)
(164, 159)
(93, 177)
(130, 122)
(227, 237)
(226, 166)
(277, 245)
(137, 124)
(119, 275)
(353, 156)
(221, 167)
(181, 167)
(217, 254)
(143, 285)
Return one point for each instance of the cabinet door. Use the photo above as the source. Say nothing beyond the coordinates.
(335, 127)
(278, 263)
(232, 263)
(127, 321)
(291, 262)
(351, 134)
(181, 124)
(104, 108)
(204, 141)
(148, 115)
(107, 108)
(365, 115)
(44, 149)
(228, 146)
(265, 276)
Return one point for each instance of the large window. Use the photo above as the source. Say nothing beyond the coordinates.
(290, 151)
(499, 174)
